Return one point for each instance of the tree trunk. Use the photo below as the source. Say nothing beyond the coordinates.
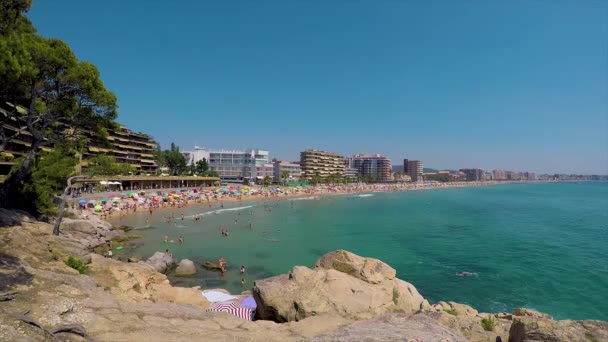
(11, 186)
(62, 207)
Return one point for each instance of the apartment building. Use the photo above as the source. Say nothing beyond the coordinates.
(126, 146)
(293, 169)
(321, 162)
(376, 166)
(413, 168)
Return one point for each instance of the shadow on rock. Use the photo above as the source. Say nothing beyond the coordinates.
(12, 272)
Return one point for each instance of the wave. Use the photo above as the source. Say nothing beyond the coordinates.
(220, 211)
(304, 198)
(365, 195)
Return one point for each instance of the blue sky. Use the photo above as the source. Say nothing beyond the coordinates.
(518, 85)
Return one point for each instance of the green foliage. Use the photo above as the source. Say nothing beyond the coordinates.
(210, 174)
(266, 181)
(202, 166)
(316, 178)
(11, 14)
(103, 165)
(488, 323)
(440, 177)
(174, 160)
(78, 265)
(367, 179)
(284, 176)
(47, 179)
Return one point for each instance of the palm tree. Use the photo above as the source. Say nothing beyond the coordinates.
(316, 178)
(284, 176)
(266, 181)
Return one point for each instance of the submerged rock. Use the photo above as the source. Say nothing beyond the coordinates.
(340, 284)
(186, 267)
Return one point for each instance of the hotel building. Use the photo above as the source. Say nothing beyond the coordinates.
(371, 165)
(233, 164)
(321, 162)
(126, 146)
(413, 168)
(293, 169)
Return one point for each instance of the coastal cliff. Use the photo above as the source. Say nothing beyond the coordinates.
(342, 297)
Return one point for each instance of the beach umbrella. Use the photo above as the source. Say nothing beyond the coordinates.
(131, 194)
(92, 201)
(123, 194)
(249, 302)
(98, 208)
(82, 201)
(231, 308)
(104, 199)
(115, 199)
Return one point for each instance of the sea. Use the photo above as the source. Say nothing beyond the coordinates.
(542, 246)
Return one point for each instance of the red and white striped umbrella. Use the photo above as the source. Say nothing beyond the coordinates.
(231, 308)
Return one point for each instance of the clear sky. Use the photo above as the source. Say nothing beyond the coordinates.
(518, 85)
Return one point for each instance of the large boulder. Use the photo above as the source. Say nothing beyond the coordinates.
(394, 327)
(532, 329)
(343, 291)
(81, 226)
(161, 261)
(370, 270)
(185, 268)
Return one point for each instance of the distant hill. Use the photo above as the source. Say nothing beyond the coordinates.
(429, 170)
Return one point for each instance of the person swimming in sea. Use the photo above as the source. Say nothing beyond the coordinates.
(465, 274)
(166, 238)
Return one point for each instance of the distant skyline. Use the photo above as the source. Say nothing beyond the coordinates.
(518, 85)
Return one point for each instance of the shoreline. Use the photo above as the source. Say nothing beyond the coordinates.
(114, 217)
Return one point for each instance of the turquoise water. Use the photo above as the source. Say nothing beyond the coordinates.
(540, 246)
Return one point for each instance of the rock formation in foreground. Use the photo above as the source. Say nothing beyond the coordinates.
(344, 297)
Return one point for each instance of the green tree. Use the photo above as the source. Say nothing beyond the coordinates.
(103, 165)
(174, 160)
(202, 166)
(57, 97)
(284, 176)
(266, 181)
(316, 178)
(46, 180)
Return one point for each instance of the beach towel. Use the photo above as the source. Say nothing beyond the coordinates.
(217, 296)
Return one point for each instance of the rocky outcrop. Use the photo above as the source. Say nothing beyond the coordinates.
(185, 268)
(531, 329)
(530, 313)
(370, 270)
(141, 282)
(161, 261)
(90, 233)
(351, 290)
(394, 327)
(10, 218)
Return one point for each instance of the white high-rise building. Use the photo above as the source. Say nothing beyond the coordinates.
(230, 164)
